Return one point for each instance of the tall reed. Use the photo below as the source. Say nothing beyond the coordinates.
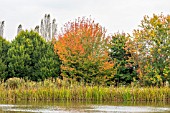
(51, 90)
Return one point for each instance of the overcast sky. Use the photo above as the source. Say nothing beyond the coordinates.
(114, 15)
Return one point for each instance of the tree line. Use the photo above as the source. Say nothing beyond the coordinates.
(83, 52)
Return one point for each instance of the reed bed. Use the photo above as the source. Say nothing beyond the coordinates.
(48, 90)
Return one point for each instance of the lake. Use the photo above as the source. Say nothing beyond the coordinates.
(83, 107)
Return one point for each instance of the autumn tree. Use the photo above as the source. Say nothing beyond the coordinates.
(151, 49)
(31, 57)
(83, 48)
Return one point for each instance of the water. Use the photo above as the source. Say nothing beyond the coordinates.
(83, 107)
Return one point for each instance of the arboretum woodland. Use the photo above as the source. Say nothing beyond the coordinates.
(83, 53)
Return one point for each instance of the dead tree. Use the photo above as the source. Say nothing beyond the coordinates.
(19, 29)
(37, 29)
(48, 30)
(2, 28)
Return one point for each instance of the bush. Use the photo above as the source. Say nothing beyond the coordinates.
(14, 83)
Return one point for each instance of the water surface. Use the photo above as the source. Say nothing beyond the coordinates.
(83, 107)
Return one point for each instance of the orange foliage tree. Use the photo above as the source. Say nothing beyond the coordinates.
(84, 51)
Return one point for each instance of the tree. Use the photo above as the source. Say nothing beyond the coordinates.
(47, 30)
(151, 50)
(31, 57)
(122, 58)
(4, 46)
(19, 29)
(83, 50)
(2, 28)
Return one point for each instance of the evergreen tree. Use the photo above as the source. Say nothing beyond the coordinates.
(4, 45)
(30, 56)
(122, 58)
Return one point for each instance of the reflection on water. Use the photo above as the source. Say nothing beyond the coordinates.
(132, 109)
(84, 107)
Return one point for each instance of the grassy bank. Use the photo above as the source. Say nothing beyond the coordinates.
(49, 90)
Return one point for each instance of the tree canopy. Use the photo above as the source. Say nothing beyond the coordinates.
(4, 46)
(83, 49)
(151, 49)
(30, 56)
(124, 65)
(82, 52)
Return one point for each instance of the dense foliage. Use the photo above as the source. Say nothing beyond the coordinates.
(83, 49)
(85, 54)
(4, 45)
(151, 50)
(124, 65)
(31, 57)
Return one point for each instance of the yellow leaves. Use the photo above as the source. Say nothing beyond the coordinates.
(133, 51)
(152, 21)
(150, 42)
(159, 51)
(151, 50)
(90, 57)
(158, 77)
(152, 33)
(166, 71)
(168, 18)
(107, 65)
(66, 68)
(157, 20)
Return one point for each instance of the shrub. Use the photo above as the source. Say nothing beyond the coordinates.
(14, 83)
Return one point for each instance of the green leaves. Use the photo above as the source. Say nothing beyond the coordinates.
(85, 54)
(152, 47)
(121, 56)
(30, 56)
(4, 46)
(83, 49)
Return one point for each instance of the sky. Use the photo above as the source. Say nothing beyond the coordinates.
(114, 15)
